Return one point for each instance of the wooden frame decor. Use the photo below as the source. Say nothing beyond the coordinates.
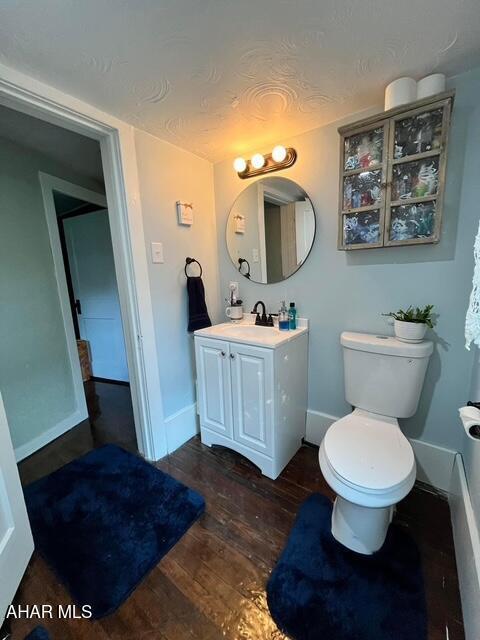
(392, 175)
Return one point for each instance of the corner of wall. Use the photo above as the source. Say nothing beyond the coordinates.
(467, 549)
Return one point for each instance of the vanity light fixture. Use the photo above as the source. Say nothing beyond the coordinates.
(280, 158)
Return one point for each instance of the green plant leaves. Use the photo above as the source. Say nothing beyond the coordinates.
(416, 314)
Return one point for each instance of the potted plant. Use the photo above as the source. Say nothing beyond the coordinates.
(411, 325)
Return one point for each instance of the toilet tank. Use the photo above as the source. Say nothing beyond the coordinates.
(384, 375)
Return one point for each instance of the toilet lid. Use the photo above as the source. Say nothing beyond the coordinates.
(369, 452)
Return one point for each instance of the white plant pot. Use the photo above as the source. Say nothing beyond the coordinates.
(410, 331)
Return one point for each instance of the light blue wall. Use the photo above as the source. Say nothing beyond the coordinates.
(349, 291)
(471, 448)
(471, 201)
(35, 375)
(167, 174)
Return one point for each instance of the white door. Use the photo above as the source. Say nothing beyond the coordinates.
(16, 543)
(304, 228)
(90, 256)
(214, 385)
(289, 243)
(252, 396)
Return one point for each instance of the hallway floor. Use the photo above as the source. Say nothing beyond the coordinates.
(211, 584)
(110, 420)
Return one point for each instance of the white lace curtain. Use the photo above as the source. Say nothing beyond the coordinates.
(472, 321)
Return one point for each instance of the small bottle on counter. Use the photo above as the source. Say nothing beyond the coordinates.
(283, 318)
(292, 316)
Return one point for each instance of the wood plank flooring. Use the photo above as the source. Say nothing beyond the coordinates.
(212, 583)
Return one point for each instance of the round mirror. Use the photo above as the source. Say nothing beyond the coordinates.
(270, 230)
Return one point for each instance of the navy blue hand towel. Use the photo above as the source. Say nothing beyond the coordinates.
(197, 307)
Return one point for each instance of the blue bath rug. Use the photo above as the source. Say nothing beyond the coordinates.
(105, 520)
(39, 633)
(320, 590)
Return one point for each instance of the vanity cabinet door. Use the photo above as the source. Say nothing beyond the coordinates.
(214, 385)
(252, 396)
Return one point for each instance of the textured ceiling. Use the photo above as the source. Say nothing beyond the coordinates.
(222, 76)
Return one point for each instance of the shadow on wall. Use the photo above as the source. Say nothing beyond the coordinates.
(445, 249)
(415, 425)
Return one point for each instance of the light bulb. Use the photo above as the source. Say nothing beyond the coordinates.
(239, 165)
(279, 153)
(258, 161)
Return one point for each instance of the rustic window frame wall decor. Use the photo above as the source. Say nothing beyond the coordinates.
(380, 231)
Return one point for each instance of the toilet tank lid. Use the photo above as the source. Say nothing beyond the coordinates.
(388, 345)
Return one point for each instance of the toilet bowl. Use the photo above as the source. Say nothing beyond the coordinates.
(370, 465)
(364, 456)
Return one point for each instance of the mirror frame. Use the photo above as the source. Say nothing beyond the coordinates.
(237, 269)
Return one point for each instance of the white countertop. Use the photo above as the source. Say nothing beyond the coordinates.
(246, 332)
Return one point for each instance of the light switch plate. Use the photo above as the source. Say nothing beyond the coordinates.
(157, 253)
(255, 256)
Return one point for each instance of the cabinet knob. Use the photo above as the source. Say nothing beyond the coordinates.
(223, 354)
(232, 356)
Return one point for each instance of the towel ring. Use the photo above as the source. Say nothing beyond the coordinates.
(189, 261)
(241, 262)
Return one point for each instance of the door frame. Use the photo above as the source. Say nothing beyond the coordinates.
(117, 144)
(48, 185)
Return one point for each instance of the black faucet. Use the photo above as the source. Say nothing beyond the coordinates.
(262, 320)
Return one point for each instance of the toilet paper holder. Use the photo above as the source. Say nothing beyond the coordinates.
(474, 429)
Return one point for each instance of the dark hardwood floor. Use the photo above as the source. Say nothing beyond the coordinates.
(211, 585)
(110, 420)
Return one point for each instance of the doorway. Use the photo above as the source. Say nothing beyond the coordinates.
(47, 393)
(118, 158)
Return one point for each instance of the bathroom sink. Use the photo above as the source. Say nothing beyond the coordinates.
(248, 333)
(249, 330)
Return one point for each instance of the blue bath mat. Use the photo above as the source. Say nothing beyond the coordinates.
(320, 590)
(39, 633)
(105, 520)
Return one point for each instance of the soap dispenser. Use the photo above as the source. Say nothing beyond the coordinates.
(283, 318)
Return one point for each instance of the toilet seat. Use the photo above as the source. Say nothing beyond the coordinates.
(367, 460)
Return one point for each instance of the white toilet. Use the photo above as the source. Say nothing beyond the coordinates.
(365, 457)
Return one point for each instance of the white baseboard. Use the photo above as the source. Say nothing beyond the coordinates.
(181, 426)
(25, 450)
(317, 425)
(434, 463)
(467, 549)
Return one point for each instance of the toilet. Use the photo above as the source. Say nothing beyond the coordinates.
(364, 456)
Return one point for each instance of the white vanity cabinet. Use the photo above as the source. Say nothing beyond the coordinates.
(252, 398)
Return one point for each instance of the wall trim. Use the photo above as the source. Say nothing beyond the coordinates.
(181, 426)
(467, 549)
(25, 450)
(317, 425)
(48, 185)
(434, 463)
